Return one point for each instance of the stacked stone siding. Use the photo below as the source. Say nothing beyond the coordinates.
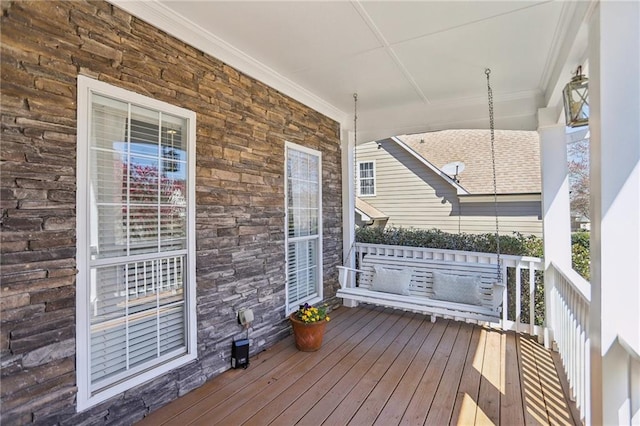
(242, 126)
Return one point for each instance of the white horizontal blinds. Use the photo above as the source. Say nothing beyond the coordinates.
(303, 186)
(303, 233)
(108, 132)
(138, 229)
(139, 179)
(302, 270)
(367, 179)
(137, 315)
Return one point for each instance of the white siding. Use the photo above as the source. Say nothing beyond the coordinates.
(414, 196)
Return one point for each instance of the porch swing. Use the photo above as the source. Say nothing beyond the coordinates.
(421, 281)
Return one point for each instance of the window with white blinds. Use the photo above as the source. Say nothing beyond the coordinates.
(366, 178)
(303, 225)
(135, 246)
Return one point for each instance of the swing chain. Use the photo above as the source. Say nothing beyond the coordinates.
(355, 165)
(493, 164)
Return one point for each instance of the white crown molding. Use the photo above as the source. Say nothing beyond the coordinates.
(569, 50)
(160, 16)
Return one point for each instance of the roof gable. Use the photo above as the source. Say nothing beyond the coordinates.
(517, 156)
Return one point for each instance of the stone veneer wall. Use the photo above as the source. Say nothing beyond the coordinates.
(242, 126)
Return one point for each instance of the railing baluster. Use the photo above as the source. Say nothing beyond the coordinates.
(569, 322)
(532, 299)
(518, 296)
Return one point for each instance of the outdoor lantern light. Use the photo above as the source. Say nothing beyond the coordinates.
(576, 100)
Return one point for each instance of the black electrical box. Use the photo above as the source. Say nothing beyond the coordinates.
(240, 354)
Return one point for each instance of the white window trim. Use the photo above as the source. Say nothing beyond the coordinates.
(320, 296)
(359, 182)
(87, 86)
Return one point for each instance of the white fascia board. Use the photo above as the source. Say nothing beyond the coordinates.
(160, 16)
(363, 215)
(459, 189)
(486, 198)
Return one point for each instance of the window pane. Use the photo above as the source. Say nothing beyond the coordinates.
(172, 329)
(143, 228)
(137, 314)
(143, 338)
(135, 277)
(303, 213)
(107, 293)
(108, 351)
(366, 180)
(139, 185)
(109, 121)
(173, 227)
(302, 270)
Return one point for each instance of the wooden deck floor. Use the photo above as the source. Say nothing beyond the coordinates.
(385, 367)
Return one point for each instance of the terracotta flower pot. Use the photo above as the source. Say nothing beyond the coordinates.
(308, 336)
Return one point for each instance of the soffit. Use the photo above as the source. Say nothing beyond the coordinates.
(416, 66)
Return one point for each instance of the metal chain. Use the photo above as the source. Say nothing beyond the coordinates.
(493, 164)
(355, 142)
(355, 164)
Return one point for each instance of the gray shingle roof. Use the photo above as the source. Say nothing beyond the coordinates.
(517, 158)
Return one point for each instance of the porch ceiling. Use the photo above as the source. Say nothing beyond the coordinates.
(416, 66)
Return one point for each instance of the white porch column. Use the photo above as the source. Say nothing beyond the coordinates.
(556, 220)
(348, 203)
(614, 92)
(556, 214)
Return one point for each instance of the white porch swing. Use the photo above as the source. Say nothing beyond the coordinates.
(427, 283)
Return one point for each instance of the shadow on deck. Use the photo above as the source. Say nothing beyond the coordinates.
(386, 367)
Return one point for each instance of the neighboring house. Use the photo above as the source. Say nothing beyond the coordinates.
(580, 223)
(407, 178)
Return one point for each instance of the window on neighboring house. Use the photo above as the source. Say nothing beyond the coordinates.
(136, 282)
(366, 178)
(303, 225)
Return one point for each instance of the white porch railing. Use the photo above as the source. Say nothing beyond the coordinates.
(568, 317)
(518, 274)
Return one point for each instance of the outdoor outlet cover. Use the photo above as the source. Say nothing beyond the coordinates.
(245, 316)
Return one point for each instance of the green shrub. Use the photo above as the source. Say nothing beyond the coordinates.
(580, 254)
(516, 244)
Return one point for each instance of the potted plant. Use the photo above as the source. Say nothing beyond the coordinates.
(308, 324)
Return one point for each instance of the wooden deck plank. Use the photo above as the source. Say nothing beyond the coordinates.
(511, 402)
(236, 381)
(465, 406)
(535, 412)
(491, 387)
(557, 407)
(271, 385)
(397, 403)
(418, 408)
(445, 397)
(213, 390)
(388, 384)
(384, 367)
(361, 391)
(309, 377)
(367, 356)
(557, 362)
(309, 393)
